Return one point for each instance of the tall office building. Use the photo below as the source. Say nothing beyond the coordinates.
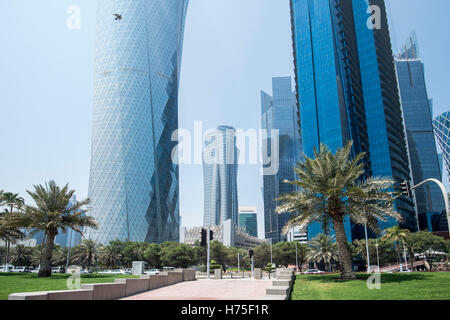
(347, 90)
(441, 127)
(220, 166)
(419, 131)
(280, 112)
(248, 220)
(133, 182)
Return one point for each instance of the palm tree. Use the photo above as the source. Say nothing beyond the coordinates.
(21, 255)
(9, 231)
(322, 249)
(86, 253)
(110, 256)
(333, 184)
(52, 214)
(398, 236)
(59, 255)
(12, 201)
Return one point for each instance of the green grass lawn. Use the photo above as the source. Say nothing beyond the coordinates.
(29, 282)
(394, 286)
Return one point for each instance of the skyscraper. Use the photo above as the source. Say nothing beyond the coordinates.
(347, 89)
(133, 182)
(280, 112)
(441, 127)
(248, 220)
(220, 166)
(419, 130)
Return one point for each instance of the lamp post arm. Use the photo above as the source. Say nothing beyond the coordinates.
(444, 194)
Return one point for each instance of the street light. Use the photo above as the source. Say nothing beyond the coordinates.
(406, 190)
(367, 249)
(378, 257)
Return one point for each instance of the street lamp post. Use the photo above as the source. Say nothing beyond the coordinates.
(367, 249)
(296, 255)
(207, 253)
(378, 257)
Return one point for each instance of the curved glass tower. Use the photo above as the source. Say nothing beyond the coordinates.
(220, 166)
(134, 183)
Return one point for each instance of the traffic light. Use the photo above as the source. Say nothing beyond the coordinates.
(406, 189)
(211, 235)
(250, 253)
(203, 240)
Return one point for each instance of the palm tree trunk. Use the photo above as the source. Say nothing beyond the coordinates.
(8, 249)
(411, 258)
(344, 252)
(46, 268)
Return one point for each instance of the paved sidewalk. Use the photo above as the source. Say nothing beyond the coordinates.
(227, 289)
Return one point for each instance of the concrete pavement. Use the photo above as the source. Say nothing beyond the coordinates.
(226, 289)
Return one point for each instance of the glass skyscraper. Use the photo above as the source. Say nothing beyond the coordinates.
(248, 220)
(347, 90)
(420, 136)
(220, 166)
(133, 182)
(280, 112)
(442, 131)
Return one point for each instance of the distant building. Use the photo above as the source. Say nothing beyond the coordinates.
(227, 233)
(296, 235)
(280, 112)
(423, 155)
(220, 166)
(248, 220)
(441, 129)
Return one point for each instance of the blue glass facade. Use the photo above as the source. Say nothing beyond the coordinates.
(133, 182)
(441, 127)
(419, 128)
(347, 89)
(279, 112)
(248, 220)
(220, 167)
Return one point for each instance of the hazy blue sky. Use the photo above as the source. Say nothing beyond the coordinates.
(232, 50)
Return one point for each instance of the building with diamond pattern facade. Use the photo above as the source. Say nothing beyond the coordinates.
(134, 183)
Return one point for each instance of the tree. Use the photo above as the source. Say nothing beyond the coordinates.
(219, 253)
(178, 255)
(333, 184)
(428, 245)
(398, 237)
(152, 255)
(111, 255)
(262, 254)
(86, 253)
(21, 255)
(284, 253)
(134, 251)
(59, 255)
(323, 249)
(9, 231)
(52, 214)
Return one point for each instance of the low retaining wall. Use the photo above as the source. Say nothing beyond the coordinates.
(174, 277)
(134, 286)
(121, 288)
